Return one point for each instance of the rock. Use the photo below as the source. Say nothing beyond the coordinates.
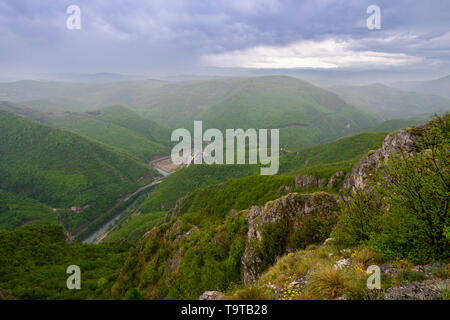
(174, 263)
(343, 263)
(289, 209)
(431, 269)
(211, 295)
(307, 181)
(402, 140)
(333, 182)
(419, 290)
(390, 270)
(327, 241)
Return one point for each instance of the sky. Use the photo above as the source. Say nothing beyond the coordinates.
(175, 36)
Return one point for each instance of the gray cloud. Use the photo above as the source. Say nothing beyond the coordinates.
(172, 35)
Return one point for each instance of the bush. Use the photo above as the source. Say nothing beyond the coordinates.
(359, 219)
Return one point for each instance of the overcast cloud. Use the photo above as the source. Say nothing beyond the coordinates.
(174, 35)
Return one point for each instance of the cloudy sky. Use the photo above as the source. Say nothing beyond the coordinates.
(157, 36)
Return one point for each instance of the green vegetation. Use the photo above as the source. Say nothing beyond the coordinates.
(344, 151)
(16, 211)
(322, 160)
(121, 128)
(133, 228)
(185, 257)
(188, 179)
(305, 114)
(33, 263)
(62, 169)
(415, 189)
(237, 194)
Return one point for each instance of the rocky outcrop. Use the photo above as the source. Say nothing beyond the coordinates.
(419, 290)
(334, 180)
(307, 181)
(289, 209)
(401, 141)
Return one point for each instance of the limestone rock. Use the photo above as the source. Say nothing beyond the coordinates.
(401, 141)
(289, 209)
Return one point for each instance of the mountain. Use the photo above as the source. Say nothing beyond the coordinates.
(116, 126)
(62, 169)
(439, 86)
(391, 103)
(401, 123)
(305, 114)
(119, 127)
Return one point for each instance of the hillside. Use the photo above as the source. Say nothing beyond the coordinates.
(118, 127)
(187, 179)
(33, 263)
(347, 149)
(305, 114)
(275, 247)
(62, 169)
(339, 153)
(439, 86)
(390, 103)
(16, 211)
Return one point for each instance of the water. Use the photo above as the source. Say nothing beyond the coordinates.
(105, 227)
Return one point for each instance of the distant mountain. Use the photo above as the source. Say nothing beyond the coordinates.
(391, 103)
(305, 114)
(401, 123)
(62, 169)
(439, 86)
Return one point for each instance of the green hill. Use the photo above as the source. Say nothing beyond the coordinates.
(342, 152)
(62, 169)
(348, 149)
(121, 128)
(305, 114)
(391, 103)
(33, 263)
(187, 179)
(440, 87)
(16, 211)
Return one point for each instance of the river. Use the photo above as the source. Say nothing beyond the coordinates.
(109, 223)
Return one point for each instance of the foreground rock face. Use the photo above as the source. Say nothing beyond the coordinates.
(401, 141)
(289, 209)
(420, 290)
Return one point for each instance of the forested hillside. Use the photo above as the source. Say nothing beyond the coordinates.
(62, 169)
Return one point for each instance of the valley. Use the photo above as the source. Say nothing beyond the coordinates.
(95, 179)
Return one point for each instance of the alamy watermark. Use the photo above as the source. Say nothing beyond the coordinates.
(186, 152)
(73, 22)
(73, 281)
(374, 21)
